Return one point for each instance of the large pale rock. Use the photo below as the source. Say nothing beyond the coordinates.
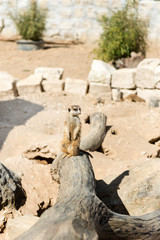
(18, 225)
(7, 84)
(124, 78)
(116, 94)
(53, 86)
(76, 86)
(49, 73)
(100, 90)
(154, 102)
(140, 191)
(100, 72)
(31, 84)
(157, 77)
(146, 94)
(148, 73)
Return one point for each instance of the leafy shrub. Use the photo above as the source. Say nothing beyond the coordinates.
(123, 33)
(31, 22)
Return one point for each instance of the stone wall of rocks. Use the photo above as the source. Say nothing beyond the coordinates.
(104, 82)
(143, 81)
(77, 19)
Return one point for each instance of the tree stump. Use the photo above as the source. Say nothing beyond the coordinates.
(96, 135)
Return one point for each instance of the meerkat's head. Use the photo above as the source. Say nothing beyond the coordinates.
(74, 110)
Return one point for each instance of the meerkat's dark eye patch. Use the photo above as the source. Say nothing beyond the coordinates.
(69, 109)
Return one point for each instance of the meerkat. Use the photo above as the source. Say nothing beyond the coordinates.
(72, 132)
(70, 144)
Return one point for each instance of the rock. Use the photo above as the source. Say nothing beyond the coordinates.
(148, 72)
(116, 94)
(76, 86)
(49, 73)
(53, 86)
(40, 152)
(100, 72)
(124, 78)
(139, 191)
(153, 102)
(18, 225)
(11, 192)
(100, 90)
(31, 84)
(146, 94)
(157, 77)
(7, 84)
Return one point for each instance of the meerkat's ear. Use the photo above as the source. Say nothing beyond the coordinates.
(69, 109)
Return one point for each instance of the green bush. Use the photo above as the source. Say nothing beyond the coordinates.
(122, 33)
(31, 22)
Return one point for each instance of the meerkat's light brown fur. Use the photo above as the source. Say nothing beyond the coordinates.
(72, 132)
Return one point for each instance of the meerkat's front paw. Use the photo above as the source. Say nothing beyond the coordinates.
(64, 155)
(69, 155)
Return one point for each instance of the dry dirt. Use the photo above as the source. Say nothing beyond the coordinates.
(75, 59)
(37, 120)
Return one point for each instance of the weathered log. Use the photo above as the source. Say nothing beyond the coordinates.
(96, 135)
(11, 192)
(80, 214)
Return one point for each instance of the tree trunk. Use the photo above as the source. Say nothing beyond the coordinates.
(97, 132)
(80, 214)
(12, 194)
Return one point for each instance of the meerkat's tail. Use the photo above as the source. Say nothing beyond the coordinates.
(86, 153)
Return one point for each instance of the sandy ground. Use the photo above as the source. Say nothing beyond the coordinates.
(37, 120)
(75, 59)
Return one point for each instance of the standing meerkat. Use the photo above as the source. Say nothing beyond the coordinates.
(72, 132)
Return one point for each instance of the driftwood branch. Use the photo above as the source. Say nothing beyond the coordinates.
(78, 212)
(97, 132)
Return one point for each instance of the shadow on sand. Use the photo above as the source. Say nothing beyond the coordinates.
(108, 193)
(13, 113)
